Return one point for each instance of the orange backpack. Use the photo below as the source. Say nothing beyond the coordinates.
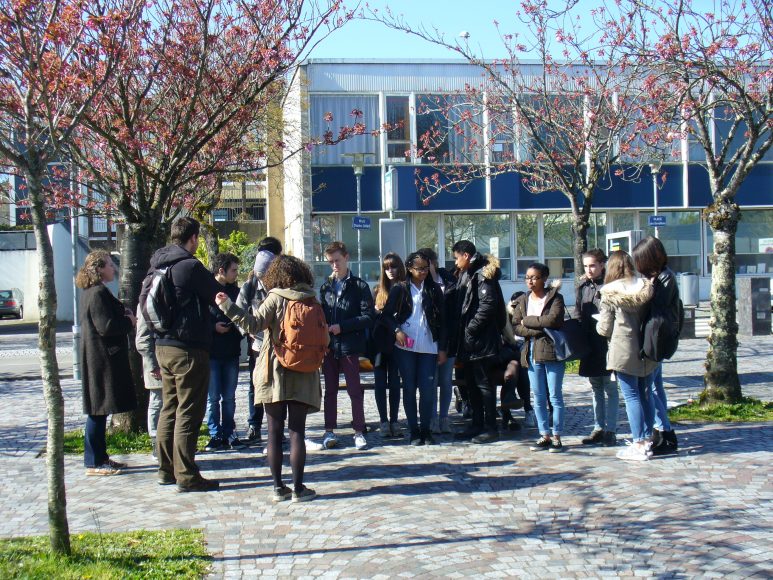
(303, 336)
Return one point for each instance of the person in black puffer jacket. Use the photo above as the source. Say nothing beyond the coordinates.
(651, 261)
(348, 305)
(606, 399)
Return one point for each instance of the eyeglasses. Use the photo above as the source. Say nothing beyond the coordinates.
(420, 270)
(533, 278)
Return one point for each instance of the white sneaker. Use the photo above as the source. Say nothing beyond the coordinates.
(434, 425)
(329, 440)
(312, 445)
(633, 452)
(360, 442)
(530, 419)
(445, 425)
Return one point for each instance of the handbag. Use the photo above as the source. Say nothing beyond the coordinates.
(570, 341)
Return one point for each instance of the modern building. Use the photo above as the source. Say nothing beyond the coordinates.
(499, 215)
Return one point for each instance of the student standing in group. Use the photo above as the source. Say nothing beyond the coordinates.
(444, 378)
(250, 297)
(386, 375)
(283, 392)
(107, 378)
(416, 315)
(624, 303)
(651, 261)
(540, 308)
(606, 400)
(348, 305)
(224, 362)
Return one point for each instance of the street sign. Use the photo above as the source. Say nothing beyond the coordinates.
(360, 222)
(656, 221)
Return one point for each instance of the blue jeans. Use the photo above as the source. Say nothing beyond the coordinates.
(155, 403)
(94, 444)
(547, 377)
(387, 377)
(444, 379)
(418, 371)
(223, 378)
(606, 401)
(638, 406)
(659, 401)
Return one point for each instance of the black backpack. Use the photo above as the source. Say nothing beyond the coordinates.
(662, 326)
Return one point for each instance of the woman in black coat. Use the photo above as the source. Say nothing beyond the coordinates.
(107, 378)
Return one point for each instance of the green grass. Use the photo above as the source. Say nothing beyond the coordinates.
(572, 367)
(140, 554)
(119, 443)
(748, 410)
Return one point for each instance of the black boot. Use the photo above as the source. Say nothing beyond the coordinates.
(667, 443)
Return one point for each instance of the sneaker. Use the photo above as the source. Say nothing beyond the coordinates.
(542, 444)
(215, 444)
(429, 439)
(595, 438)
(434, 425)
(234, 442)
(633, 452)
(306, 494)
(166, 480)
(468, 434)
(486, 437)
(329, 440)
(386, 432)
(360, 442)
(610, 439)
(555, 445)
(312, 445)
(103, 470)
(397, 431)
(283, 493)
(530, 419)
(115, 464)
(199, 485)
(445, 425)
(265, 451)
(253, 435)
(416, 439)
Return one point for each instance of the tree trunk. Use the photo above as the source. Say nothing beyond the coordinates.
(579, 240)
(721, 378)
(137, 247)
(211, 241)
(59, 532)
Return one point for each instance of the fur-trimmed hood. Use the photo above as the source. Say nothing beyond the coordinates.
(487, 265)
(627, 294)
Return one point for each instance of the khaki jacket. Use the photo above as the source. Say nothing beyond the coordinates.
(274, 383)
(623, 305)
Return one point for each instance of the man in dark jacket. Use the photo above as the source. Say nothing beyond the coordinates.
(606, 399)
(348, 305)
(183, 355)
(480, 317)
(223, 361)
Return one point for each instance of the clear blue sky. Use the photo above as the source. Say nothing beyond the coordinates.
(358, 39)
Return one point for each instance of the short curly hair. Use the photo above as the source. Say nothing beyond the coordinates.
(287, 271)
(88, 275)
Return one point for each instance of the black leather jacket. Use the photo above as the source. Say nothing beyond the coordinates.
(352, 310)
(399, 306)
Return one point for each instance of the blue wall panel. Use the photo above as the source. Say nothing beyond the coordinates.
(757, 188)
(473, 197)
(335, 189)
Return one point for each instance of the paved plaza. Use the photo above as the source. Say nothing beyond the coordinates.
(452, 510)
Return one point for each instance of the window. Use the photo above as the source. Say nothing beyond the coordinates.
(369, 239)
(681, 237)
(526, 241)
(427, 228)
(501, 133)
(399, 137)
(490, 233)
(341, 108)
(622, 222)
(753, 242)
(540, 122)
(448, 130)
(559, 244)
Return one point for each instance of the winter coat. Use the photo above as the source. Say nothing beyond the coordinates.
(399, 306)
(353, 310)
(145, 341)
(229, 344)
(479, 314)
(624, 304)
(586, 304)
(450, 292)
(250, 297)
(274, 383)
(532, 327)
(195, 288)
(107, 379)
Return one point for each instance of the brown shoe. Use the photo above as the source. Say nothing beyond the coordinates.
(199, 485)
(102, 470)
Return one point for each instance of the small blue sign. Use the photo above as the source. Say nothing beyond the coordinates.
(360, 223)
(656, 221)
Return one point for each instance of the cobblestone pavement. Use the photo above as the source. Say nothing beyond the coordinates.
(451, 510)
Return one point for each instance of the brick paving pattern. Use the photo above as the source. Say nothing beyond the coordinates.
(453, 510)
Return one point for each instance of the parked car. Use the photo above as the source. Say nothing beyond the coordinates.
(12, 302)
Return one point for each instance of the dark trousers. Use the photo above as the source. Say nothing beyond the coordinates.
(185, 376)
(483, 395)
(255, 418)
(94, 444)
(332, 367)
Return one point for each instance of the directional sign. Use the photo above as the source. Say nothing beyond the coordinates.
(360, 223)
(656, 221)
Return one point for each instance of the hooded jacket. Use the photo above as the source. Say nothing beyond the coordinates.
(624, 304)
(274, 383)
(480, 311)
(532, 327)
(586, 304)
(353, 310)
(195, 289)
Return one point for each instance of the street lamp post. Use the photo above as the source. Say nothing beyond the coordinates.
(76, 329)
(358, 165)
(654, 170)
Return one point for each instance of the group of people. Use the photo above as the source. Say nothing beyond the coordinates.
(424, 329)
